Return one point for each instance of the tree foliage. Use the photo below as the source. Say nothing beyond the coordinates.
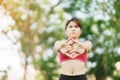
(42, 23)
(106, 37)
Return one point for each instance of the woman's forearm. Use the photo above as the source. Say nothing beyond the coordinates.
(58, 45)
(88, 46)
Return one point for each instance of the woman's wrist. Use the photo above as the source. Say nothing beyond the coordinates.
(81, 50)
(59, 45)
(63, 50)
(88, 46)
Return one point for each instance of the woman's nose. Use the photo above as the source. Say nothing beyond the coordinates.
(73, 28)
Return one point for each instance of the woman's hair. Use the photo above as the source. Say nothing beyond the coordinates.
(74, 20)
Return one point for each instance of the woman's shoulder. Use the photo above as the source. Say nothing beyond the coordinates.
(63, 40)
(88, 44)
(85, 42)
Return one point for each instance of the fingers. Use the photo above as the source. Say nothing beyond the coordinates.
(70, 42)
(63, 50)
(75, 55)
(81, 51)
(70, 37)
(68, 48)
(69, 55)
(72, 55)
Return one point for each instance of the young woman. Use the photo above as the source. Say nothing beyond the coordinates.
(72, 52)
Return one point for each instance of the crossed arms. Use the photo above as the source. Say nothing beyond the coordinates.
(72, 48)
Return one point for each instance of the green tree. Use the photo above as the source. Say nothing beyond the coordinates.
(31, 18)
(41, 24)
(104, 34)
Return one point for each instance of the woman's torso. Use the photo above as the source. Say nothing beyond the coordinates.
(73, 67)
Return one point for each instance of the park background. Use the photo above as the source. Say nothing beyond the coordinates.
(29, 28)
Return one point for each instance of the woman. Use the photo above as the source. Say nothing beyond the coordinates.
(72, 52)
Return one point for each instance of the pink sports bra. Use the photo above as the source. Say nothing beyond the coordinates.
(83, 57)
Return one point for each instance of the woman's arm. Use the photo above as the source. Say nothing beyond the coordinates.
(59, 44)
(80, 48)
(63, 47)
(88, 46)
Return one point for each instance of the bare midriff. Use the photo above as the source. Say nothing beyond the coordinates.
(73, 67)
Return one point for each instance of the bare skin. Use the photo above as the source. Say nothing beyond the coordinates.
(72, 48)
(73, 67)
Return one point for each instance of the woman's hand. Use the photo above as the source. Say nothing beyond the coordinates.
(78, 47)
(77, 53)
(87, 46)
(59, 44)
(69, 55)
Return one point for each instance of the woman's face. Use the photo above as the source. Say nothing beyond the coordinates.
(73, 30)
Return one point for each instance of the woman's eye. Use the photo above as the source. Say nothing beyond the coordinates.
(76, 26)
(73, 26)
(70, 26)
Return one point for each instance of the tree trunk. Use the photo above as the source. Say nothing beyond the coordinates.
(25, 69)
(100, 72)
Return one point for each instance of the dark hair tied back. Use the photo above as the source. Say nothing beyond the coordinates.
(74, 20)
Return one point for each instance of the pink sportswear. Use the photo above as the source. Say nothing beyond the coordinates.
(83, 57)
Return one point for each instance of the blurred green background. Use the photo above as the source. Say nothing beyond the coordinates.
(37, 24)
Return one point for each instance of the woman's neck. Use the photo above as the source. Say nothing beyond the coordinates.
(76, 39)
